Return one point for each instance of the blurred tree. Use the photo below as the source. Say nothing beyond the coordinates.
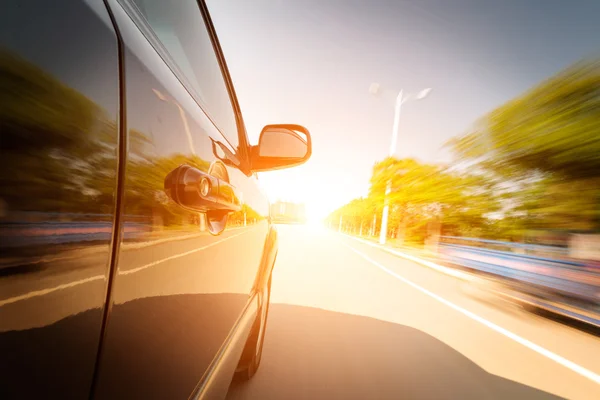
(145, 186)
(545, 144)
(237, 217)
(425, 192)
(420, 194)
(58, 147)
(553, 128)
(533, 163)
(560, 204)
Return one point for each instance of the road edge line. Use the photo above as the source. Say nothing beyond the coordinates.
(440, 268)
(586, 373)
(43, 292)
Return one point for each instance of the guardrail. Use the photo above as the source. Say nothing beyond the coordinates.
(572, 278)
(534, 248)
(20, 234)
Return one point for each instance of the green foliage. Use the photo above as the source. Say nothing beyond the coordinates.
(237, 218)
(560, 204)
(546, 145)
(553, 128)
(51, 132)
(421, 194)
(59, 153)
(534, 165)
(36, 108)
(145, 185)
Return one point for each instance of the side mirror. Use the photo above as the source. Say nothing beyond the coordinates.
(280, 146)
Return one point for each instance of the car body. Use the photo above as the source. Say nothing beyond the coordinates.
(136, 244)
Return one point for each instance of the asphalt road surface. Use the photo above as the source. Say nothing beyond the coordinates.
(348, 321)
(351, 321)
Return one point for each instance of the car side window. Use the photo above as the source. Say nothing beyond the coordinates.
(180, 28)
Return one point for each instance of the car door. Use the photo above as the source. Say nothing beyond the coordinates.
(180, 288)
(59, 105)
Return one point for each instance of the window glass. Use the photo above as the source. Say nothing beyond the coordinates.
(180, 28)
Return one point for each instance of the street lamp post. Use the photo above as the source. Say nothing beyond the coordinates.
(400, 99)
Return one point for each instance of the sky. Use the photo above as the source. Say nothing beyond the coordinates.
(312, 62)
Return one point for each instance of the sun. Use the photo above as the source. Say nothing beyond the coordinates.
(315, 214)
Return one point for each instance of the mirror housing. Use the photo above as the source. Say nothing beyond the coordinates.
(280, 146)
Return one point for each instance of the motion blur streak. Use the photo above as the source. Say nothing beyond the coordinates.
(152, 264)
(68, 285)
(360, 332)
(555, 357)
(49, 290)
(445, 270)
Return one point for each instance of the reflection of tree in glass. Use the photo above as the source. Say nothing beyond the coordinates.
(145, 185)
(237, 218)
(58, 154)
(58, 147)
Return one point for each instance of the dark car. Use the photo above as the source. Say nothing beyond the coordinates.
(136, 245)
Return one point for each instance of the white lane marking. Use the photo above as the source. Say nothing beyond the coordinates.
(127, 246)
(432, 265)
(537, 348)
(49, 290)
(187, 253)
(133, 245)
(43, 292)
(141, 245)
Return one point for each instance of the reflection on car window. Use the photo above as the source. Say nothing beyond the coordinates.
(180, 28)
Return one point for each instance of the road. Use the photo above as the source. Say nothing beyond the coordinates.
(351, 321)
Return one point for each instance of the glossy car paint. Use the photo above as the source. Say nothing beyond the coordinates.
(179, 290)
(109, 289)
(58, 159)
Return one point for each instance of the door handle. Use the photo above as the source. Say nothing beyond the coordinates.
(199, 191)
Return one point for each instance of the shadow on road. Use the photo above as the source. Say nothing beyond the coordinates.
(311, 353)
